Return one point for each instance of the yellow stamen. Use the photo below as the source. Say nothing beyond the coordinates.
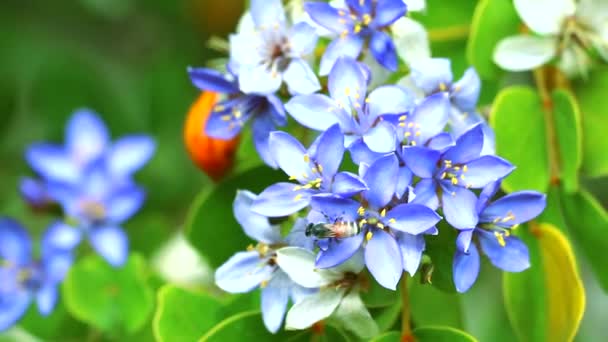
(226, 117)
(454, 180)
(465, 168)
(380, 225)
(392, 221)
(442, 86)
(383, 212)
(298, 197)
(500, 238)
(369, 236)
(306, 158)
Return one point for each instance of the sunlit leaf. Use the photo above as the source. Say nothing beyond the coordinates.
(569, 135)
(441, 334)
(431, 306)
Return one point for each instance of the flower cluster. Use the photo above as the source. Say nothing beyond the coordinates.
(421, 154)
(90, 179)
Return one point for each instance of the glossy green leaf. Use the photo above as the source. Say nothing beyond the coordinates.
(431, 306)
(441, 334)
(569, 135)
(376, 295)
(519, 123)
(211, 227)
(546, 302)
(441, 249)
(446, 15)
(588, 225)
(591, 94)
(183, 315)
(246, 326)
(553, 213)
(116, 300)
(391, 336)
(388, 316)
(354, 316)
(493, 20)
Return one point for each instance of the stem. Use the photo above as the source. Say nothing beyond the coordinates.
(406, 328)
(449, 34)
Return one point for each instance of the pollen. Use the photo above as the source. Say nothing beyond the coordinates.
(292, 178)
(465, 168)
(307, 158)
(297, 188)
(226, 117)
(361, 211)
(454, 180)
(380, 225)
(357, 28)
(383, 212)
(500, 238)
(264, 283)
(413, 143)
(369, 236)
(403, 118)
(320, 168)
(408, 134)
(392, 221)
(298, 197)
(366, 19)
(442, 86)
(347, 91)
(362, 223)
(443, 175)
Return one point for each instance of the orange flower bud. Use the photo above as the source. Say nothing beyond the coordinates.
(214, 156)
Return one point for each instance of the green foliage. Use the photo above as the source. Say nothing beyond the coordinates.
(569, 135)
(430, 306)
(518, 120)
(114, 300)
(429, 334)
(441, 249)
(376, 296)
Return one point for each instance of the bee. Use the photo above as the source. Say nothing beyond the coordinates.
(338, 229)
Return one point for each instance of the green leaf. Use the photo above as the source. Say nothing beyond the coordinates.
(553, 211)
(246, 326)
(518, 120)
(569, 135)
(588, 225)
(391, 336)
(546, 302)
(387, 317)
(182, 315)
(441, 334)
(445, 15)
(591, 95)
(111, 299)
(493, 20)
(353, 316)
(376, 295)
(431, 306)
(441, 249)
(211, 226)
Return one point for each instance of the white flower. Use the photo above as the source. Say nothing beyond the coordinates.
(564, 29)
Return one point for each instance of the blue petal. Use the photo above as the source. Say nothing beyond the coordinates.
(485, 170)
(13, 308)
(281, 200)
(60, 236)
(52, 163)
(441, 142)
(335, 208)
(429, 74)
(46, 298)
(463, 241)
(124, 204)
(34, 191)
(267, 13)
(512, 257)
(383, 49)
(465, 92)
(330, 151)
(465, 269)
(327, 16)
(274, 301)
(486, 195)
(388, 99)
(429, 118)
(259, 79)
(211, 80)
(87, 136)
(300, 78)
(348, 46)
(426, 193)
(129, 154)
(387, 12)
(255, 225)
(222, 124)
(277, 110)
(459, 207)
(111, 243)
(15, 243)
(302, 39)
(243, 272)
(347, 84)
(56, 265)
(381, 178)
(383, 259)
(339, 251)
(411, 247)
(468, 146)
(515, 208)
(381, 138)
(404, 181)
(315, 111)
(297, 236)
(291, 156)
(261, 127)
(361, 153)
(422, 161)
(347, 184)
(411, 218)
(360, 6)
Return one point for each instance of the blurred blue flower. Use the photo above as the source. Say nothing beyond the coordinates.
(360, 22)
(359, 116)
(448, 175)
(273, 52)
(230, 115)
(493, 232)
(315, 169)
(23, 279)
(257, 267)
(381, 221)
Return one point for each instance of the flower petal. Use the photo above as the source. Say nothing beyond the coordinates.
(327, 16)
(315, 111)
(267, 13)
(465, 269)
(129, 154)
(297, 236)
(545, 16)
(383, 259)
(347, 184)
(46, 298)
(381, 179)
(243, 272)
(512, 257)
(339, 251)
(515, 208)
(521, 53)
(381, 138)
(429, 74)
(255, 225)
(485, 170)
(388, 99)
(330, 151)
(52, 163)
(15, 243)
(259, 80)
(280, 199)
(459, 207)
(411, 41)
(383, 49)
(421, 160)
(111, 243)
(360, 152)
(426, 193)
(411, 247)
(348, 46)
(124, 204)
(465, 92)
(463, 241)
(441, 142)
(275, 297)
(212, 80)
(299, 264)
(302, 39)
(314, 308)
(300, 78)
(60, 236)
(468, 147)
(347, 83)
(261, 128)
(335, 207)
(387, 12)
(13, 308)
(290, 155)
(429, 118)
(411, 218)
(86, 136)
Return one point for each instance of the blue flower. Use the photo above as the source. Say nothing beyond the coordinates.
(448, 175)
(359, 116)
(315, 169)
(87, 139)
(361, 21)
(381, 221)
(493, 233)
(98, 205)
(23, 279)
(230, 115)
(257, 267)
(273, 53)
(434, 75)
